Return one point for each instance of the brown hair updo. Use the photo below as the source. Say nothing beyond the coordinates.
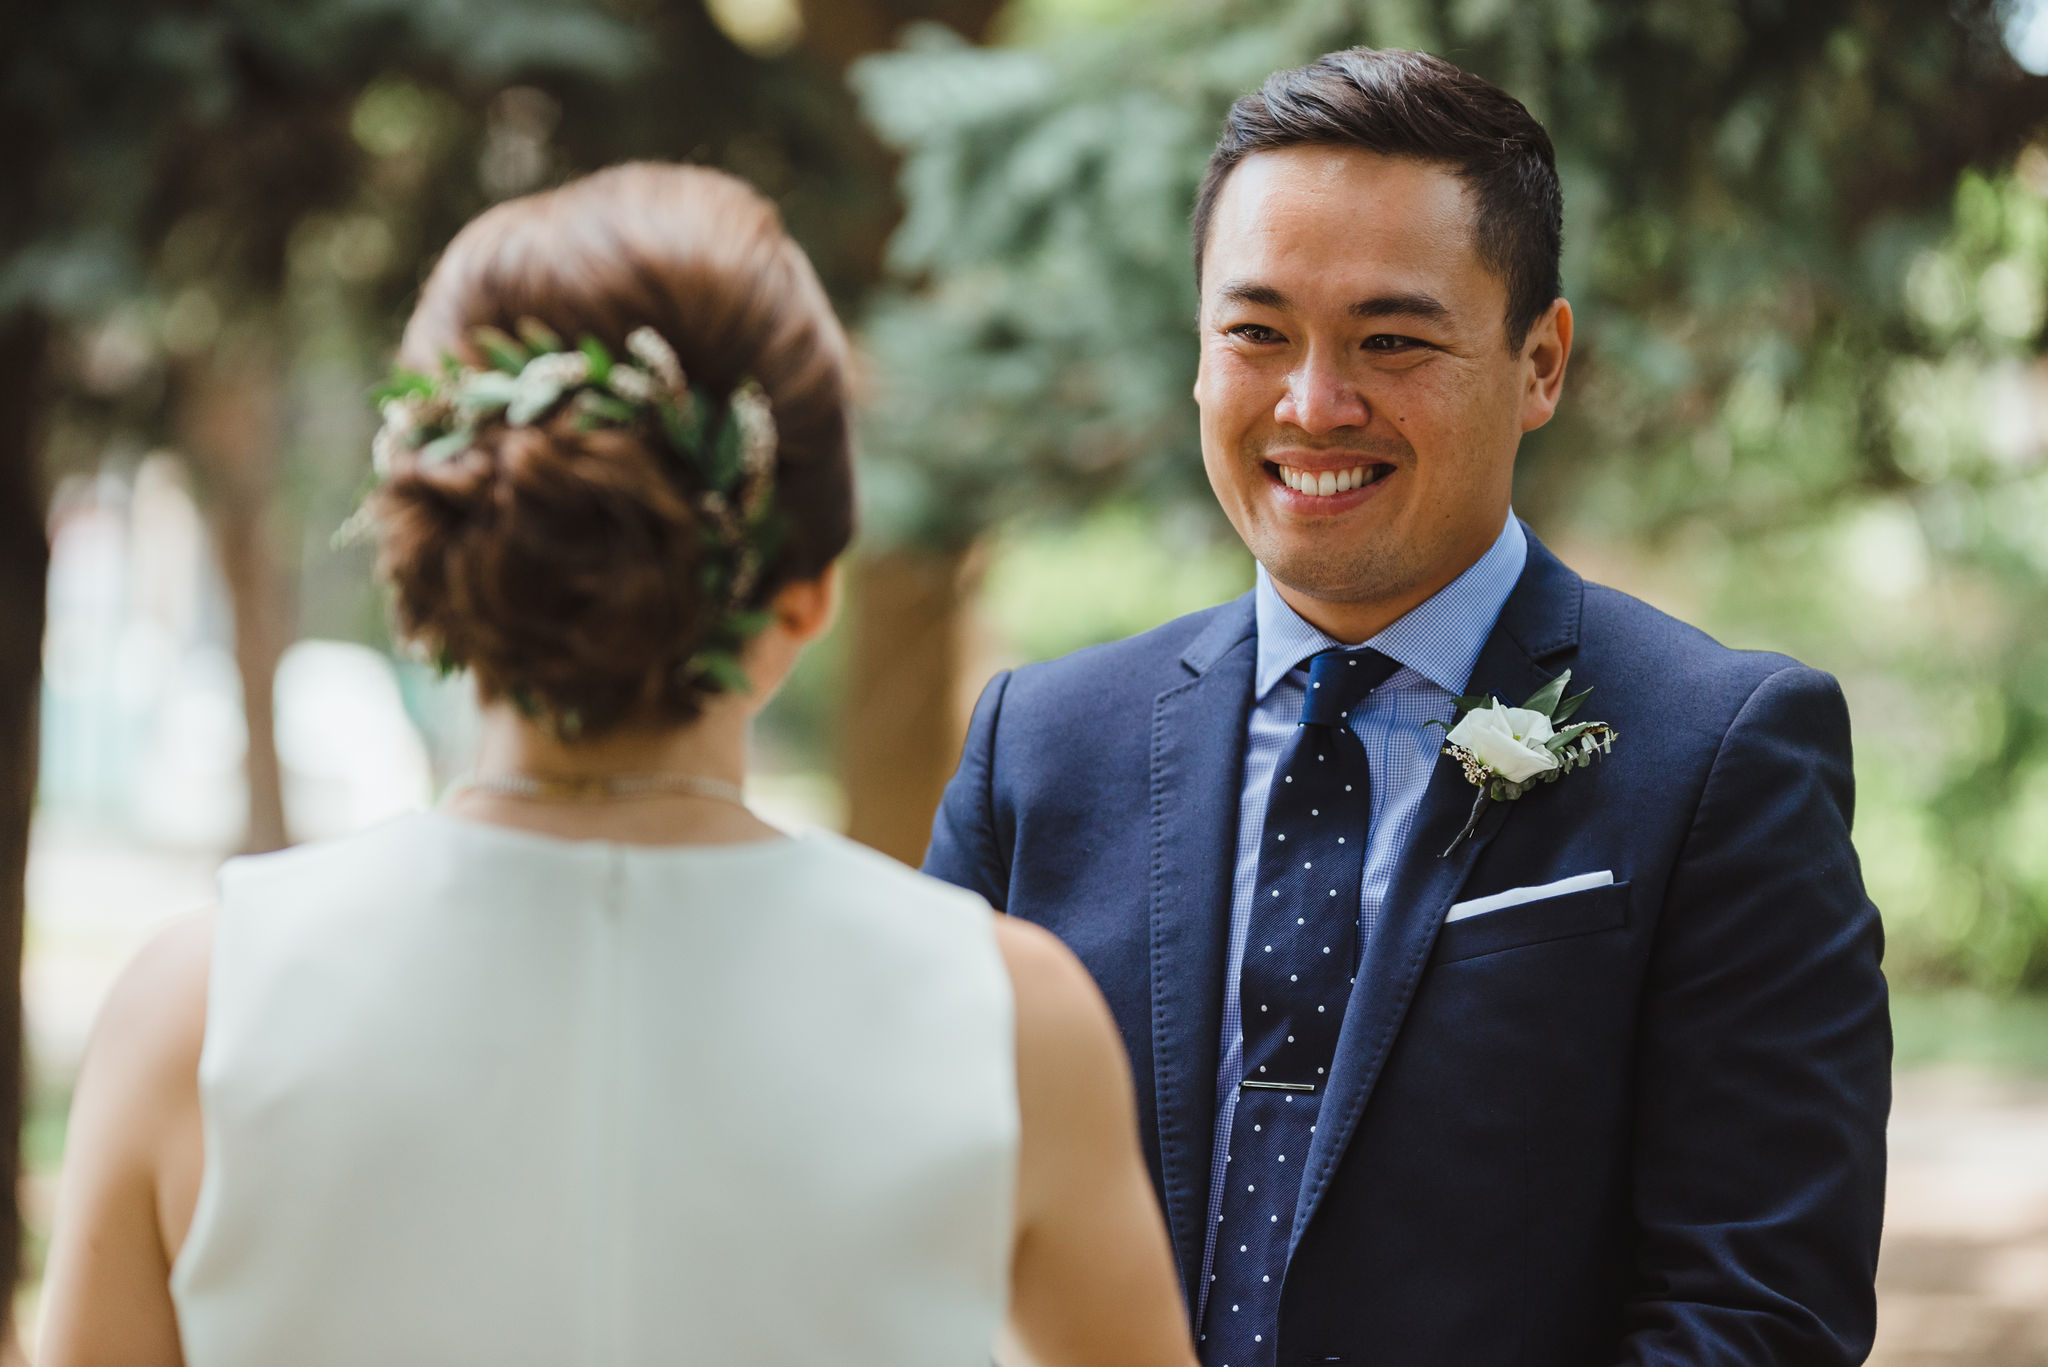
(562, 565)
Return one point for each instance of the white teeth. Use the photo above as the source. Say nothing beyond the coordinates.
(1327, 482)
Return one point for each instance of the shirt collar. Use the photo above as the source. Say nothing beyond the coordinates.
(1439, 639)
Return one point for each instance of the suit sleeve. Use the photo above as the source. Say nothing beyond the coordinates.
(964, 849)
(1765, 1067)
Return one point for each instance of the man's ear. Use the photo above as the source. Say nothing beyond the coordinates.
(805, 609)
(1545, 352)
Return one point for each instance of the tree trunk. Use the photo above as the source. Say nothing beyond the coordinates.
(902, 719)
(24, 562)
(904, 714)
(230, 425)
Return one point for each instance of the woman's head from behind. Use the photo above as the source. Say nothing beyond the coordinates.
(569, 561)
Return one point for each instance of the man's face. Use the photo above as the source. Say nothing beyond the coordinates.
(1360, 405)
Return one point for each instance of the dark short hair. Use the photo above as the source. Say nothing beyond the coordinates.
(1409, 104)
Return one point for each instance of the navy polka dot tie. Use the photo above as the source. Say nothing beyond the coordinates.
(1299, 957)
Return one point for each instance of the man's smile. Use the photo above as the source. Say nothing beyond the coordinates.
(1323, 483)
(1326, 488)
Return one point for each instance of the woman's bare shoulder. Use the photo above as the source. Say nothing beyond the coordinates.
(1072, 1076)
(145, 1045)
(1059, 1007)
(1093, 1283)
(132, 1160)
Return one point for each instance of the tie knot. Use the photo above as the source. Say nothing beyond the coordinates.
(1338, 681)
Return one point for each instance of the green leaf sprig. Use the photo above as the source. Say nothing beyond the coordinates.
(1572, 745)
(723, 446)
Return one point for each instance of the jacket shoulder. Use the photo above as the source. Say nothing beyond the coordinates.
(1144, 664)
(1097, 702)
(1628, 647)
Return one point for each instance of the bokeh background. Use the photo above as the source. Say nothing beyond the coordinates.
(1807, 242)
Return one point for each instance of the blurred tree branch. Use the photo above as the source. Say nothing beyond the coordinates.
(228, 423)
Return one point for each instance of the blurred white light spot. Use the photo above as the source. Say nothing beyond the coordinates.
(116, 356)
(1935, 292)
(2009, 294)
(2026, 35)
(2015, 414)
(392, 118)
(765, 28)
(350, 753)
(1885, 551)
(515, 155)
(188, 791)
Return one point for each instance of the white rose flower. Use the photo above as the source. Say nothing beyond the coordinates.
(1528, 724)
(1507, 739)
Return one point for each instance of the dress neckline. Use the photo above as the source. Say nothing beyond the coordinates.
(542, 840)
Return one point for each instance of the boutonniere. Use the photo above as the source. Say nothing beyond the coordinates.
(1505, 751)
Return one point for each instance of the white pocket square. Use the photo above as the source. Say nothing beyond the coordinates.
(1514, 897)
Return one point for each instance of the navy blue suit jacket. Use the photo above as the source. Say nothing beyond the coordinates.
(1642, 1124)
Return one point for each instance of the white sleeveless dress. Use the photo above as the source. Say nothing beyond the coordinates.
(478, 1096)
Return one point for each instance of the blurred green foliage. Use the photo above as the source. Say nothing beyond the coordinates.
(175, 139)
(159, 137)
(1805, 246)
(1056, 585)
(1962, 1028)
(192, 182)
(1927, 592)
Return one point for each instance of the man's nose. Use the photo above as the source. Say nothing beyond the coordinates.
(1321, 398)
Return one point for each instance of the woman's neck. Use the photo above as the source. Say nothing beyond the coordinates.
(712, 747)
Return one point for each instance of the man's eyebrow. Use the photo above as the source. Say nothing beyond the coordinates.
(1411, 305)
(1250, 292)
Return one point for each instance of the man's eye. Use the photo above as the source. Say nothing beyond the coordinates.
(1390, 342)
(1256, 332)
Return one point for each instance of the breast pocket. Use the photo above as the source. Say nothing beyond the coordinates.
(1531, 923)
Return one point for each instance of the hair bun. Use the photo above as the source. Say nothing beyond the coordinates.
(566, 564)
(561, 566)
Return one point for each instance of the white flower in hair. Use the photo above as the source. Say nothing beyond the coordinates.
(652, 350)
(401, 421)
(758, 442)
(632, 384)
(720, 447)
(542, 382)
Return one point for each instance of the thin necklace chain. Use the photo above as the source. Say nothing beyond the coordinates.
(603, 787)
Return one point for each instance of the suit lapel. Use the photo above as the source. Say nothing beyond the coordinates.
(1198, 739)
(1538, 625)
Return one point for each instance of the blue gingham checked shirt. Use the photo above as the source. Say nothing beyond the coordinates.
(1437, 645)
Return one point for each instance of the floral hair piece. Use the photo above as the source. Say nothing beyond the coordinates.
(724, 446)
